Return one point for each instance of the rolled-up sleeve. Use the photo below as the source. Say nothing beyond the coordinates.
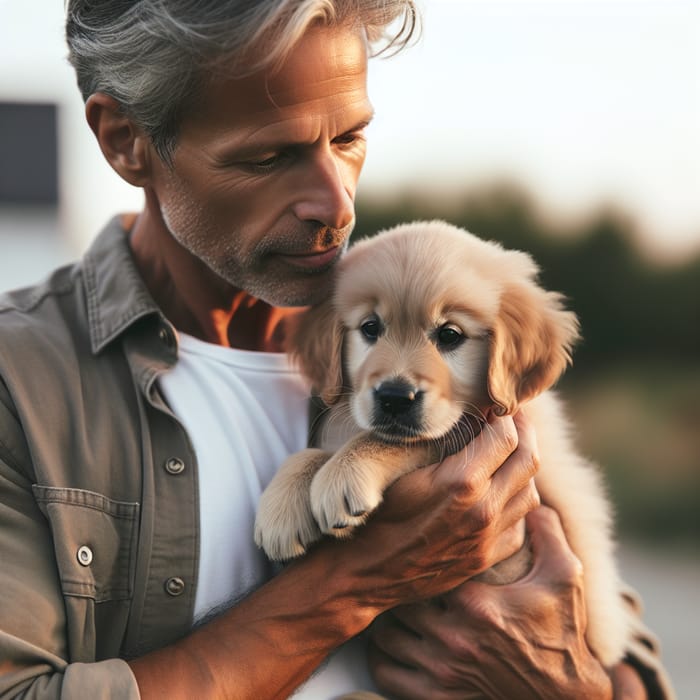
(33, 674)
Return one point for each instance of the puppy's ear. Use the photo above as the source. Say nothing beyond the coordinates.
(317, 343)
(530, 345)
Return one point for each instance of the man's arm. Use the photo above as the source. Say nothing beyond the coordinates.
(33, 641)
(524, 640)
(440, 526)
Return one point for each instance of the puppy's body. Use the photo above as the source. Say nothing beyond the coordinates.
(429, 329)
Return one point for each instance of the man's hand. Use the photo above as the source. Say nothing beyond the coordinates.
(443, 524)
(523, 640)
(437, 527)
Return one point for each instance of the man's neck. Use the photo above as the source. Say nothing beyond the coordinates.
(196, 300)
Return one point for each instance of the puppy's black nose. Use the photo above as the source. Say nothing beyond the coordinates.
(395, 397)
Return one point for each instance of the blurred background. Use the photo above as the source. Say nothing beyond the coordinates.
(567, 128)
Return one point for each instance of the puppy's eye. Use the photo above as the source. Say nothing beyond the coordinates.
(448, 337)
(371, 329)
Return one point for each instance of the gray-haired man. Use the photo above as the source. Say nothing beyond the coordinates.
(141, 391)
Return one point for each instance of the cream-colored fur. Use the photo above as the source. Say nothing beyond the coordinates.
(429, 329)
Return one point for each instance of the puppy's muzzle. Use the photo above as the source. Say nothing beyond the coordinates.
(397, 405)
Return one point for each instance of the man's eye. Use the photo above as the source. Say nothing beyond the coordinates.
(448, 337)
(346, 139)
(371, 329)
(269, 163)
(350, 138)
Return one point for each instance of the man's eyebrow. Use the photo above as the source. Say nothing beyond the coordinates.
(366, 121)
(359, 126)
(252, 145)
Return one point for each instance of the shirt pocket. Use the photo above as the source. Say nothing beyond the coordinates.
(94, 540)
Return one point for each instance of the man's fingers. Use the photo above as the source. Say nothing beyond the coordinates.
(422, 670)
(482, 457)
(417, 618)
(525, 428)
(523, 502)
(512, 518)
(521, 466)
(502, 459)
(509, 542)
(395, 677)
(399, 638)
(466, 474)
(551, 551)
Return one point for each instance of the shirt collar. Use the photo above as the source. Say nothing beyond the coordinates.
(116, 294)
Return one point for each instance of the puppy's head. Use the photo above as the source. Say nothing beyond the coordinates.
(429, 323)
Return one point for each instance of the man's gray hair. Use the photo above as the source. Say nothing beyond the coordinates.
(152, 56)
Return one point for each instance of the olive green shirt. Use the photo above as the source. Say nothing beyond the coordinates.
(99, 503)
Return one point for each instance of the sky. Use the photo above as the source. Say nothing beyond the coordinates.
(585, 103)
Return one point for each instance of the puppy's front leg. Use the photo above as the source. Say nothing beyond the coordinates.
(284, 525)
(351, 484)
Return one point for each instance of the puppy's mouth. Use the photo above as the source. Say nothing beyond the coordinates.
(399, 417)
(397, 432)
(462, 432)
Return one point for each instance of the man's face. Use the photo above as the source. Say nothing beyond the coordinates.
(263, 180)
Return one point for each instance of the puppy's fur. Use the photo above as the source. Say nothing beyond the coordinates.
(429, 329)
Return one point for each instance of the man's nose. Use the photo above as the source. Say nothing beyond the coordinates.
(328, 193)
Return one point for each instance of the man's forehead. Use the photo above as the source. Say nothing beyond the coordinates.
(325, 77)
(326, 62)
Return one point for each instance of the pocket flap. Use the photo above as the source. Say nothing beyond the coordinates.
(94, 540)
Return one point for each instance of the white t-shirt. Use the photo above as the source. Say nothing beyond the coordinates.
(245, 412)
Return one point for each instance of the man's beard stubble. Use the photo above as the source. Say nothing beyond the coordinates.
(255, 271)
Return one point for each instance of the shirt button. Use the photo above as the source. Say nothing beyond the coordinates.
(84, 556)
(174, 466)
(175, 586)
(166, 337)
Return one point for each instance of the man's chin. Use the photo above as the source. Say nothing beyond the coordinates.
(307, 292)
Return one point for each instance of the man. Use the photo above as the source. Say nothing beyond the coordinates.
(137, 428)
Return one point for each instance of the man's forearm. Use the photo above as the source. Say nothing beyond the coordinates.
(267, 645)
(437, 527)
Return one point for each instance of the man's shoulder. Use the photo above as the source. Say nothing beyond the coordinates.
(27, 300)
(40, 314)
(94, 298)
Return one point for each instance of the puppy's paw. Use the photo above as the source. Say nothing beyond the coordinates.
(343, 495)
(285, 526)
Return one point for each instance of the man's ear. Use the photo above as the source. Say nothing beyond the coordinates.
(124, 145)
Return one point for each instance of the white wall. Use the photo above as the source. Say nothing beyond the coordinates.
(34, 68)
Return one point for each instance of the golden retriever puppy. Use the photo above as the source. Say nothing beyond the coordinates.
(428, 330)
